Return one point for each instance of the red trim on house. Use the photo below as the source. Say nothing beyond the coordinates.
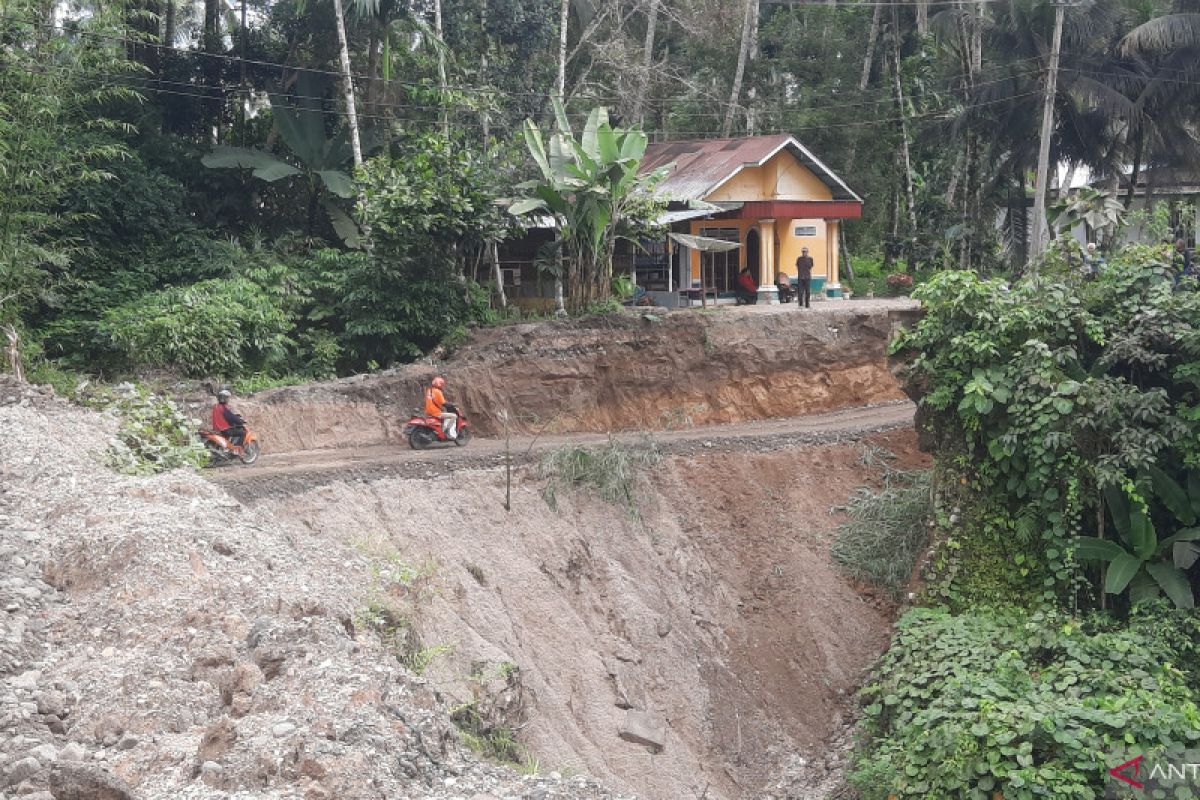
(796, 209)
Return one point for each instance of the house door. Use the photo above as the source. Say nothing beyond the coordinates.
(754, 255)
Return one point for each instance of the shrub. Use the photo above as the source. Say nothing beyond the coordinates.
(216, 327)
(154, 434)
(899, 283)
(887, 530)
(612, 471)
(1057, 401)
(1028, 706)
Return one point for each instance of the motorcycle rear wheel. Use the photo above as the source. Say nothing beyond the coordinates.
(250, 453)
(421, 438)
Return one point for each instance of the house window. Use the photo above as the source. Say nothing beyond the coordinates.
(511, 277)
(719, 270)
(806, 230)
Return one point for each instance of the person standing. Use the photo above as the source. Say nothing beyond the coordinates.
(804, 268)
(1182, 261)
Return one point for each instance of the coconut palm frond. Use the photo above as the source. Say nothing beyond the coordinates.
(1163, 35)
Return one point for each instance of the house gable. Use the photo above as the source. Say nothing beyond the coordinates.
(783, 177)
(744, 169)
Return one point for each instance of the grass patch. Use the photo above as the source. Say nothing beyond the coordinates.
(612, 471)
(887, 531)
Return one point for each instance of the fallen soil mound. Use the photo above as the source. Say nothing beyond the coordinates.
(159, 641)
(612, 373)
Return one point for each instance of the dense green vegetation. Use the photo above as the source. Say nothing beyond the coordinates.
(158, 158)
(1062, 638)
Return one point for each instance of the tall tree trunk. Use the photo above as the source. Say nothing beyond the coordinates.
(497, 275)
(872, 39)
(898, 95)
(1065, 188)
(169, 24)
(1041, 232)
(348, 85)
(922, 17)
(485, 120)
(374, 58)
(749, 22)
(212, 64)
(1137, 166)
(639, 102)
(441, 61)
(564, 21)
(889, 251)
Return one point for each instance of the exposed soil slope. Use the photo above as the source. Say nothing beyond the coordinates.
(717, 613)
(159, 641)
(622, 372)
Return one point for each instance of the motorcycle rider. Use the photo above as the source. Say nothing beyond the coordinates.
(436, 406)
(226, 421)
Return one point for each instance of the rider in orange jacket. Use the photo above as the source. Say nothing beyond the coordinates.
(436, 406)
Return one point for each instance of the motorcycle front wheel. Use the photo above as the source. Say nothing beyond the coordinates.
(464, 436)
(421, 438)
(250, 453)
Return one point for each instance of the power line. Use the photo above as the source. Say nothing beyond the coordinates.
(487, 91)
(473, 122)
(206, 92)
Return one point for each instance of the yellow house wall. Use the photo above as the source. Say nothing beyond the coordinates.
(790, 244)
(785, 178)
(781, 178)
(746, 185)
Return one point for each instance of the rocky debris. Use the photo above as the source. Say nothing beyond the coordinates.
(640, 727)
(159, 640)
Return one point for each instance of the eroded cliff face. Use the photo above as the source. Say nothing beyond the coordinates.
(614, 373)
(713, 619)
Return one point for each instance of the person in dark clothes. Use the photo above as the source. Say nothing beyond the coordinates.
(1183, 261)
(786, 292)
(804, 268)
(746, 290)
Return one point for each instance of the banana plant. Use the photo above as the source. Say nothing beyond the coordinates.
(591, 187)
(1141, 561)
(319, 161)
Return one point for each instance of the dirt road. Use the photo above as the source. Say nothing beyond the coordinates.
(291, 472)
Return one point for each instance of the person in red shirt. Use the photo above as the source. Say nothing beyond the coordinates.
(436, 406)
(226, 421)
(747, 288)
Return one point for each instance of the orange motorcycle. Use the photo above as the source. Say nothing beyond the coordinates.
(221, 450)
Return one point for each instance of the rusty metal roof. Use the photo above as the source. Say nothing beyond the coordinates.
(703, 165)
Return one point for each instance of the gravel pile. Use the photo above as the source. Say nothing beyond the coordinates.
(160, 640)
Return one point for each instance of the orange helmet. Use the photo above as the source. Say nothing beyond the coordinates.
(439, 382)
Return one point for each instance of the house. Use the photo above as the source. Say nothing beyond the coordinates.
(771, 195)
(768, 194)
(1171, 191)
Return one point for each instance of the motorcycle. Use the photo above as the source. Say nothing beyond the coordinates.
(221, 450)
(422, 430)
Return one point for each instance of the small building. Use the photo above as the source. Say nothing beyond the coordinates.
(767, 194)
(772, 196)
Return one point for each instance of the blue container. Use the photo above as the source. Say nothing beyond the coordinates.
(817, 285)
